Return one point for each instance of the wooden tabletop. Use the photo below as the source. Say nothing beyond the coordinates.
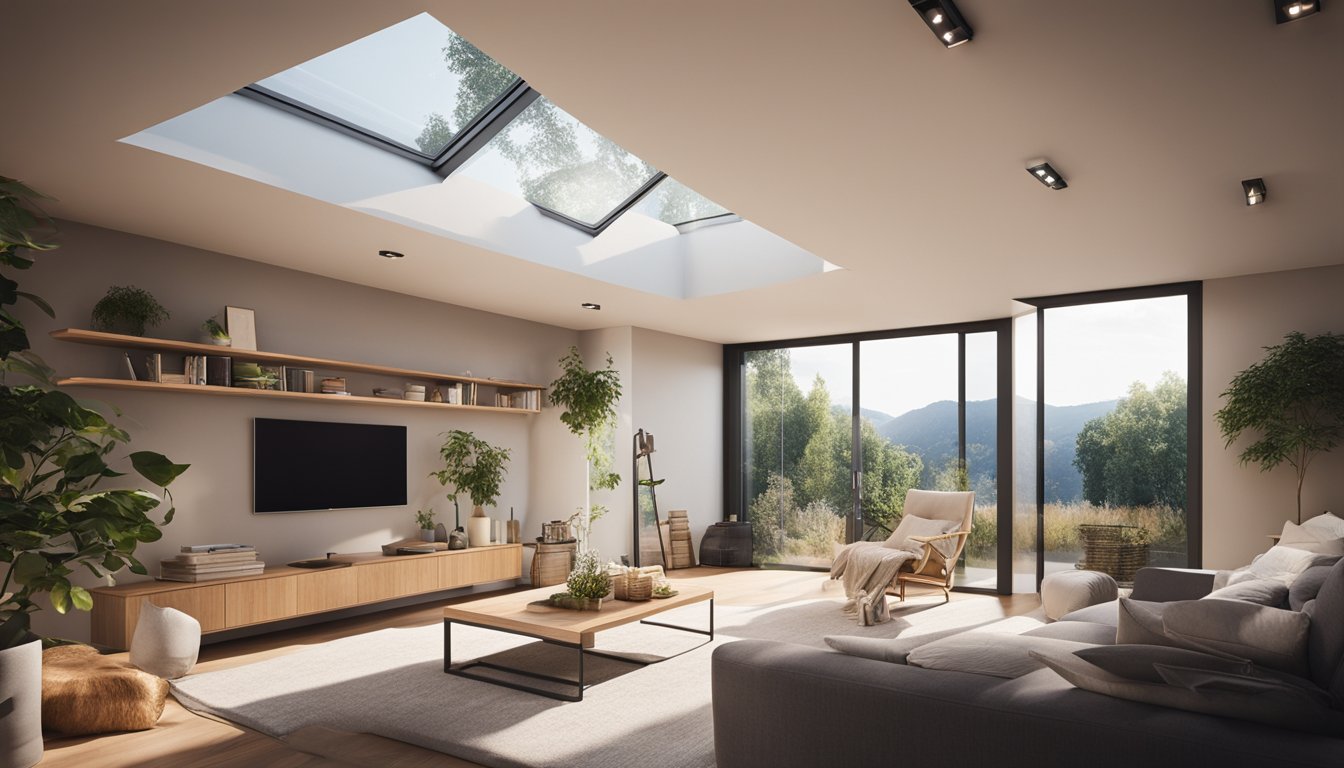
(568, 626)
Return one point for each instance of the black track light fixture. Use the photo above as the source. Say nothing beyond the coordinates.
(386, 254)
(945, 20)
(591, 305)
(1292, 10)
(1042, 171)
(1254, 191)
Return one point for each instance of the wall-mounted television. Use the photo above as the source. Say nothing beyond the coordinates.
(307, 465)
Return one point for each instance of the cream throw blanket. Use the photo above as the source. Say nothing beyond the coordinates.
(867, 567)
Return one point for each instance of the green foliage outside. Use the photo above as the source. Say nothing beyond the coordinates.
(54, 453)
(1136, 454)
(1163, 526)
(1293, 400)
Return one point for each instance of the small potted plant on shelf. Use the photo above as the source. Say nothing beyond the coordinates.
(476, 468)
(127, 310)
(215, 333)
(587, 584)
(425, 519)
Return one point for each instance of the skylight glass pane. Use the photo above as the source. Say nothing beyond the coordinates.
(416, 83)
(675, 203)
(552, 160)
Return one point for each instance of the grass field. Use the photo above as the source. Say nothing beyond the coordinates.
(1165, 527)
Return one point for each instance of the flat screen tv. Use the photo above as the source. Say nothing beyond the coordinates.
(305, 465)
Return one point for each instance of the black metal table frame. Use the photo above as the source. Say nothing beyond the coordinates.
(463, 669)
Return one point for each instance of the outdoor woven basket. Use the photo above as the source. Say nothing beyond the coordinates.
(1112, 550)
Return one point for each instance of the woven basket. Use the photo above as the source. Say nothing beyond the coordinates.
(1111, 550)
(551, 564)
(638, 586)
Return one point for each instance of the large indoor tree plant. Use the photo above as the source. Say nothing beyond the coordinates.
(1293, 400)
(476, 468)
(589, 399)
(54, 453)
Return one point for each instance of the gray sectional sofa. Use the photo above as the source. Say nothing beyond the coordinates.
(778, 704)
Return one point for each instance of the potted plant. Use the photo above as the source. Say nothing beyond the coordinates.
(1293, 399)
(127, 310)
(425, 519)
(54, 452)
(589, 399)
(476, 468)
(587, 584)
(215, 333)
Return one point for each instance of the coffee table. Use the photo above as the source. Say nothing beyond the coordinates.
(565, 628)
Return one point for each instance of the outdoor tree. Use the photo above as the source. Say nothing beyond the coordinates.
(1293, 400)
(1136, 454)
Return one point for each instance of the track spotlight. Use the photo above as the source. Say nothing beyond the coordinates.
(945, 21)
(1254, 190)
(1042, 171)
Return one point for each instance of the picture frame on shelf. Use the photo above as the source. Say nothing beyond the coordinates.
(242, 326)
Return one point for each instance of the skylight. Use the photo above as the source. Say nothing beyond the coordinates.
(416, 84)
(672, 202)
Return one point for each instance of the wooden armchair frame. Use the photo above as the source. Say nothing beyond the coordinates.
(934, 569)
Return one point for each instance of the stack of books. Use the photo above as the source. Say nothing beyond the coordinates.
(334, 385)
(203, 562)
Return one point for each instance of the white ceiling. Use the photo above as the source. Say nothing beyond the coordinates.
(842, 127)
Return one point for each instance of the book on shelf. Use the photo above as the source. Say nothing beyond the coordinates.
(333, 385)
(130, 368)
(173, 378)
(275, 377)
(196, 548)
(153, 367)
(174, 574)
(178, 565)
(219, 371)
(222, 556)
(299, 380)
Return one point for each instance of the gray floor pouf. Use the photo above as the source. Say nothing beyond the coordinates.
(1066, 591)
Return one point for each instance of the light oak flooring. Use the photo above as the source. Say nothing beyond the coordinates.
(185, 739)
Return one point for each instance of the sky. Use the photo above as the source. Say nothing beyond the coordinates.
(1093, 353)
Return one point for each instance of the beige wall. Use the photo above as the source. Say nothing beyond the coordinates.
(1241, 316)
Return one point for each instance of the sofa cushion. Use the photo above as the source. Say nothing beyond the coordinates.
(1102, 613)
(1271, 637)
(1325, 643)
(1064, 592)
(990, 654)
(1140, 622)
(1139, 662)
(1271, 592)
(1270, 702)
(919, 526)
(1320, 540)
(1307, 585)
(1328, 522)
(1088, 632)
(1278, 562)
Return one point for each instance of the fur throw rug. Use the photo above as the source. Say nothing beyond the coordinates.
(84, 692)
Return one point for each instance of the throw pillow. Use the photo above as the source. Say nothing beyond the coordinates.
(919, 526)
(1282, 563)
(1319, 540)
(1140, 623)
(1307, 585)
(1269, 592)
(1329, 522)
(1270, 637)
(1007, 656)
(1139, 662)
(1284, 706)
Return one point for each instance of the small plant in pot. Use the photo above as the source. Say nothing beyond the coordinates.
(214, 333)
(425, 519)
(127, 310)
(476, 468)
(587, 584)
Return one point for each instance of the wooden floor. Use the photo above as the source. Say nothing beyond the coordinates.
(185, 739)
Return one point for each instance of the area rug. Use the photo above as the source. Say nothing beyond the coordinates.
(391, 683)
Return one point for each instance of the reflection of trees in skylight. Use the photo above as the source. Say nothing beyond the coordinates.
(675, 203)
(394, 83)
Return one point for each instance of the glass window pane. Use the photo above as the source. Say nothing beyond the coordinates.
(416, 83)
(1115, 430)
(980, 559)
(797, 449)
(675, 203)
(552, 160)
(1024, 453)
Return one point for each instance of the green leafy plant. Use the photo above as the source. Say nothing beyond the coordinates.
(54, 452)
(129, 310)
(472, 466)
(589, 401)
(1293, 400)
(588, 580)
(425, 519)
(214, 328)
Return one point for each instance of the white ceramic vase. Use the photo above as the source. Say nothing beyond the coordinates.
(166, 641)
(21, 705)
(478, 531)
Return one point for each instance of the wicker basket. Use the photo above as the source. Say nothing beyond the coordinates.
(552, 563)
(1113, 549)
(638, 586)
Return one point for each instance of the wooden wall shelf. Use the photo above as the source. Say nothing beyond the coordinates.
(283, 592)
(99, 338)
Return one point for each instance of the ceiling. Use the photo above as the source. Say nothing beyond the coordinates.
(855, 135)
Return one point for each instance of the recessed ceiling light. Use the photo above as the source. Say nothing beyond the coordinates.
(1255, 191)
(1042, 171)
(945, 20)
(386, 254)
(591, 305)
(1292, 10)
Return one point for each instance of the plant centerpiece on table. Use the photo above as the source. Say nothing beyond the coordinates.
(589, 400)
(424, 518)
(1293, 399)
(54, 452)
(587, 584)
(215, 332)
(128, 310)
(476, 468)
